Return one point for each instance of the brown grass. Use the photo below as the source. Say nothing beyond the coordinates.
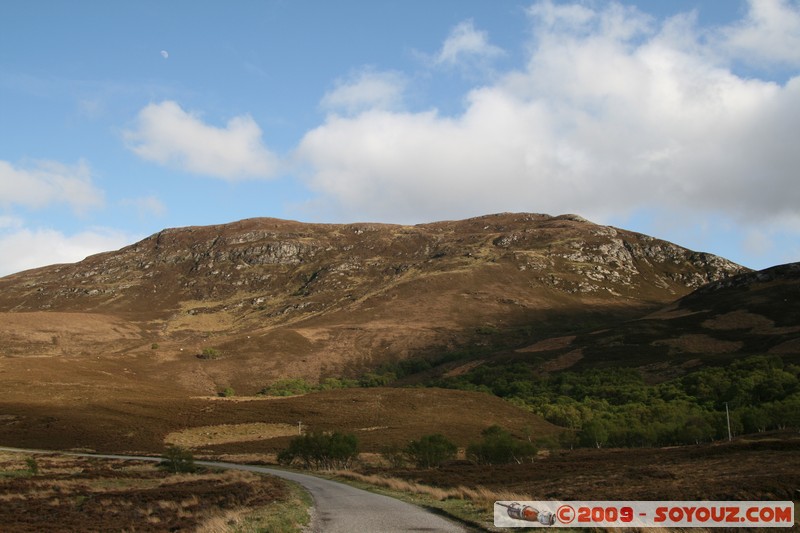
(81, 494)
(562, 362)
(227, 433)
(555, 343)
(480, 496)
(700, 343)
(141, 424)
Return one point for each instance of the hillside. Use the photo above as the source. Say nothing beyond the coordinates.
(378, 416)
(276, 299)
(746, 314)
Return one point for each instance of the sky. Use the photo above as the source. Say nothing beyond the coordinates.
(676, 119)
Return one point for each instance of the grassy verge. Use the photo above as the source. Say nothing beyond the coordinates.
(288, 516)
(470, 506)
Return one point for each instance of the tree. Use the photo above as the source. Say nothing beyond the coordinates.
(321, 450)
(594, 433)
(178, 460)
(431, 451)
(499, 447)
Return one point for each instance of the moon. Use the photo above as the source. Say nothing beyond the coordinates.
(164, 54)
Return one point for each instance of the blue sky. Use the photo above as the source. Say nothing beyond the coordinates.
(676, 119)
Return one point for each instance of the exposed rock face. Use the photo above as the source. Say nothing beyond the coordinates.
(266, 260)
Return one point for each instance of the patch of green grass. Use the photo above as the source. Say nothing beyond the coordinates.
(288, 516)
(14, 473)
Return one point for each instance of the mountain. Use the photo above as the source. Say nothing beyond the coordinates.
(752, 313)
(263, 299)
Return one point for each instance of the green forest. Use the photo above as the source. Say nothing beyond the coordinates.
(617, 407)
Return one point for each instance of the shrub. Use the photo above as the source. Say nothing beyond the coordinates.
(337, 383)
(499, 447)
(209, 353)
(321, 450)
(227, 392)
(177, 459)
(371, 379)
(33, 465)
(431, 451)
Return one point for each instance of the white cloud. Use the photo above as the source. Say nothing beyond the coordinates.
(769, 34)
(367, 90)
(466, 43)
(23, 248)
(44, 183)
(168, 135)
(612, 113)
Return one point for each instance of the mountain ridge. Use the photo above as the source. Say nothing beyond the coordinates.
(283, 298)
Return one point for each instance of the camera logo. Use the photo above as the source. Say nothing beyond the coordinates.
(517, 511)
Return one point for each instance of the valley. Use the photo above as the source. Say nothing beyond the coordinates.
(231, 340)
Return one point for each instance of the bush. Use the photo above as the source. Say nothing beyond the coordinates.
(431, 451)
(321, 450)
(371, 379)
(209, 353)
(33, 465)
(227, 392)
(499, 447)
(178, 460)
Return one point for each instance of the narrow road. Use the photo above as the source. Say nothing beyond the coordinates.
(338, 508)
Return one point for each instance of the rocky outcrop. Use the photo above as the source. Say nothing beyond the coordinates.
(279, 265)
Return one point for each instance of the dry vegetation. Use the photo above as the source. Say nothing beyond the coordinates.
(744, 470)
(283, 299)
(201, 436)
(378, 416)
(81, 495)
(481, 497)
(766, 469)
(102, 355)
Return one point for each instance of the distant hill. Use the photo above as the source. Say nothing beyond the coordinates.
(753, 313)
(268, 299)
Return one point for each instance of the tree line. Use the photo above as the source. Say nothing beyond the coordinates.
(337, 450)
(616, 407)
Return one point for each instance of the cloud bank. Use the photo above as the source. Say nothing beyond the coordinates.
(44, 183)
(613, 112)
(166, 134)
(22, 247)
(769, 33)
